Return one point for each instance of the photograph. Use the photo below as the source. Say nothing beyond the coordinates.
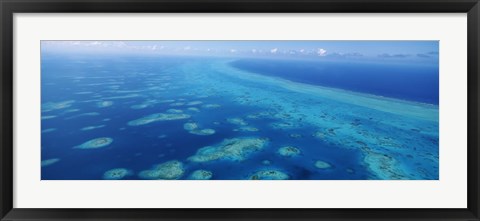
(239, 110)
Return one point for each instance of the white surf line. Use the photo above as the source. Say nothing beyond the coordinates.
(418, 110)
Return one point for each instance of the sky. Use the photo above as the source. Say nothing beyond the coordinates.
(408, 51)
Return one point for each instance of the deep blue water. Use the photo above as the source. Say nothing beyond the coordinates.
(350, 134)
(414, 82)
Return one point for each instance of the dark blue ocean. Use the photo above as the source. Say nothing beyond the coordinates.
(413, 82)
(154, 117)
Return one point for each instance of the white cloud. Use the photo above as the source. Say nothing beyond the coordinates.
(119, 44)
(233, 50)
(274, 50)
(95, 43)
(321, 52)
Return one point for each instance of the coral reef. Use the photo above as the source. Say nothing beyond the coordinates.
(92, 127)
(95, 143)
(170, 170)
(269, 175)
(48, 117)
(104, 103)
(192, 103)
(201, 175)
(49, 130)
(237, 121)
(49, 162)
(157, 117)
(50, 106)
(203, 132)
(246, 129)
(235, 149)
(117, 174)
(190, 126)
(211, 106)
(289, 151)
(383, 166)
(322, 164)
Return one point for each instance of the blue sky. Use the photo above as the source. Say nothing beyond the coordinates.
(418, 51)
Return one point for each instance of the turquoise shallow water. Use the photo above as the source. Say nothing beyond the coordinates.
(115, 117)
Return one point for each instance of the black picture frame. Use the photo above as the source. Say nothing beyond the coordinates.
(9, 7)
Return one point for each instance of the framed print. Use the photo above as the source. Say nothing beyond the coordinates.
(191, 110)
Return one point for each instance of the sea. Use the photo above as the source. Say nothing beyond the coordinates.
(135, 117)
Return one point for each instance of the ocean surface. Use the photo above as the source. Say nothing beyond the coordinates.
(152, 117)
(413, 82)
